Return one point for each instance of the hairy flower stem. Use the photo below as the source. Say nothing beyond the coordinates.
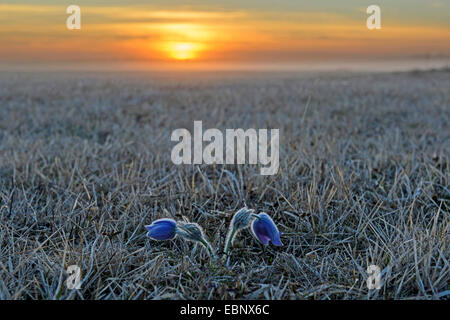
(207, 245)
(211, 254)
(232, 234)
(230, 239)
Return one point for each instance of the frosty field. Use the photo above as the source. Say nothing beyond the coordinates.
(363, 179)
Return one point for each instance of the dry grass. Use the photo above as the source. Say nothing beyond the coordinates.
(364, 179)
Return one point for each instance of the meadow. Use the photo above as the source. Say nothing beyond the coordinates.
(363, 179)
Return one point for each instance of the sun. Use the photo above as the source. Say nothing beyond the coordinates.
(183, 51)
(184, 41)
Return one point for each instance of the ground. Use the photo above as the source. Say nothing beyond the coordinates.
(364, 179)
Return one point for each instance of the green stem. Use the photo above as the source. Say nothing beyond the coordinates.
(206, 244)
(211, 254)
(230, 239)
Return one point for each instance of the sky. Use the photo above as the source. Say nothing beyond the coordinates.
(210, 32)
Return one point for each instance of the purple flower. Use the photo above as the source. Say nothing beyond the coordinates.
(162, 229)
(265, 229)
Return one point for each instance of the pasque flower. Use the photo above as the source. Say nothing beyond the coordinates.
(265, 229)
(241, 220)
(168, 229)
(193, 232)
(162, 229)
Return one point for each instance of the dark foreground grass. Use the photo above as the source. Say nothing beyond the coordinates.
(364, 179)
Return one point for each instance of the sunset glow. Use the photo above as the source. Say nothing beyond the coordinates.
(183, 50)
(237, 33)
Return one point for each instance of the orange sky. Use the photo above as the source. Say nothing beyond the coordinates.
(212, 34)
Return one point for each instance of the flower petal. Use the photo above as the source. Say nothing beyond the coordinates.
(260, 231)
(162, 229)
(265, 229)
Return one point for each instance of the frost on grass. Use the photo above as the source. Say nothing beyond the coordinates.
(363, 179)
